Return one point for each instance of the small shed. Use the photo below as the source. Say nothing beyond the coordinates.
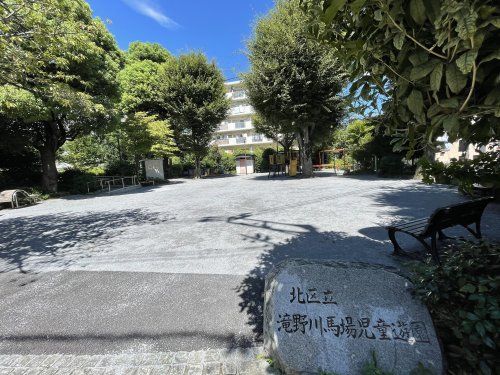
(245, 164)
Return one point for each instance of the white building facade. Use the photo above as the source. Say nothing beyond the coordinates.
(237, 130)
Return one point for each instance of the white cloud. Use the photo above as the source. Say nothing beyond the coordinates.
(151, 10)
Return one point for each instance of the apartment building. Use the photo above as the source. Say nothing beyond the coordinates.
(237, 131)
(460, 150)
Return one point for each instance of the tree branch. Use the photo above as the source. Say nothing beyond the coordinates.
(414, 40)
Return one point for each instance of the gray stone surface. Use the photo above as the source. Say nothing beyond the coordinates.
(332, 317)
(249, 361)
(89, 274)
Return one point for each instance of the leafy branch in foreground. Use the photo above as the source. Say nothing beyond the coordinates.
(433, 63)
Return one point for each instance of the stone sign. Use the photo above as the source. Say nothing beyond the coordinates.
(333, 317)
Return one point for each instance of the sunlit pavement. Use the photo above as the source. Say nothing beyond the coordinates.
(180, 267)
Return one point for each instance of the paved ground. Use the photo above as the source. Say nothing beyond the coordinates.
(179, 267)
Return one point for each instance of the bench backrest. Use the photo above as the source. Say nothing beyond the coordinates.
(458, 214)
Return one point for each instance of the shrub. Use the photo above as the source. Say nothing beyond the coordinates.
(433, 172)
(74, 181)
(262, 163)
(463, 298)
(391, 166)
(484, 170)
(120, 168)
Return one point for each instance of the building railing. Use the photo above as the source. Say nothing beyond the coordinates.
(240, 140)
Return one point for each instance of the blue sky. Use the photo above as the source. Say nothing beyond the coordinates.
(218, 28)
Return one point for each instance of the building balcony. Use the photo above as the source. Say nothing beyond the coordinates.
(238, 141)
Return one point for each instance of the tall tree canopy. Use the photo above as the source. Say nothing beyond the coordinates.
(193, 97)
(437, 62)
(62, 79)
(294, 81)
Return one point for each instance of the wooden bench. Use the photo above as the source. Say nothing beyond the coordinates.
(13, 197)
(463, 214)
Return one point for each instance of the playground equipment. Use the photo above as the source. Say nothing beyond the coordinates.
(280, 164)
(323, 159)
(17, 197)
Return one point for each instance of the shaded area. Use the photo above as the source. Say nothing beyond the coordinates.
(370, 246)
(307, 242)
(54, 235)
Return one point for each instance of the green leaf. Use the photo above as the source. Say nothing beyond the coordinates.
(495, 22)
(418, 58)
(357, 5)
(421, 71)
(466, 24)
(466, 61)
(493, 56)
(455, 79)
(398, 41)
(451, 125)
(377, 16)
(333, 9)
(449, 103)
(480, 329)
(468, 288)
(415, 102)
(417, 11)
(436, 75)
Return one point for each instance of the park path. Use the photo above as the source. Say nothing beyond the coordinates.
(180, 267)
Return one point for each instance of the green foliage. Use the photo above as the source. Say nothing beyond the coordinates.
(75, 181)
(140, 51)
(145, 135)
(391, 165)
(193, 97)
(89, 151)
(218, 161)
(484, 170)
(58, 74)
(463, 297)
(294, 81)
(434, 63)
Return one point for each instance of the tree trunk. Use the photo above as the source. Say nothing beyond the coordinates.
(49, 170)
(305, 152)
(197, 167)
(51, 143)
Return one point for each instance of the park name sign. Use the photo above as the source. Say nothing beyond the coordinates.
(331, 317)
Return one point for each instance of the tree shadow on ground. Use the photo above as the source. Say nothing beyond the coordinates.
(308, 243)
(57, 234)
(370, 246)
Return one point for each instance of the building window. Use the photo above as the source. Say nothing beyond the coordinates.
(239, 124)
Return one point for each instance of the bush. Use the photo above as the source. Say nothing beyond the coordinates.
(120, 168)
(484, 170)
(433, 172)
(74, 181)
(463, 298)
(262, 161)
(391, 166)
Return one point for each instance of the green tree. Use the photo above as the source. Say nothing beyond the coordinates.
(435, 62)
(141, 51)
(281, 133)
(140, 78)
(146, 135)
(294, 81)
(58, 76)
(193, 96)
